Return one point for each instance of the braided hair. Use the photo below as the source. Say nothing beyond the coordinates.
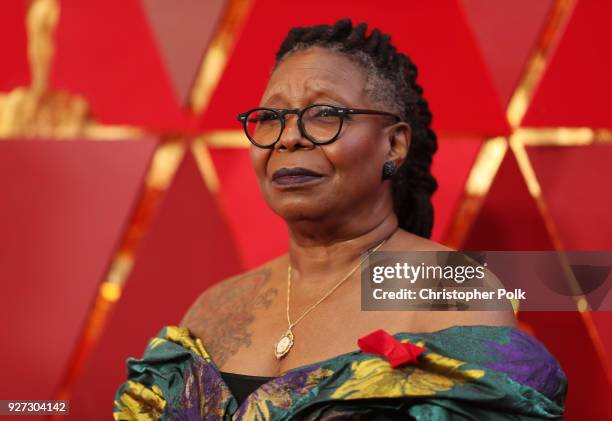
(391, 79)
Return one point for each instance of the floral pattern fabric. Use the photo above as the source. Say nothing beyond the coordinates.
(466, 372)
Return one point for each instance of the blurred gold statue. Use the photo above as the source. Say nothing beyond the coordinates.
(41, 22)
(38, 111)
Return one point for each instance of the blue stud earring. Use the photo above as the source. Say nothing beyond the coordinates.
(389, 169)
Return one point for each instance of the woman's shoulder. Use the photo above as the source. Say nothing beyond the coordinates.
(235, 290)
(436, 320)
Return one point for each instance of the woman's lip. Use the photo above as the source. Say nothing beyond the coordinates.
(289, 180)
(294, 172)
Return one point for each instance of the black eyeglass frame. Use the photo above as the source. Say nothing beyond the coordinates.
(281, 113)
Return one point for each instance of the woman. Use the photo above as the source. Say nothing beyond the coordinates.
(342, 147)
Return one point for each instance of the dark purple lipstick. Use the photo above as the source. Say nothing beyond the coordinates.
(296, 175)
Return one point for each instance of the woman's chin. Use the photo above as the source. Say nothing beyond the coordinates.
(305, 195)
(299, 210)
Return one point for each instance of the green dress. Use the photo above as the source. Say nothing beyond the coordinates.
(465, 373)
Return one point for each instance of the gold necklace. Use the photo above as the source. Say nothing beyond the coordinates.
(285, 343)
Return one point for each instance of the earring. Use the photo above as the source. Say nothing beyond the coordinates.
(389, 169)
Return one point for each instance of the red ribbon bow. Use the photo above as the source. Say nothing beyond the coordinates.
(381, 343)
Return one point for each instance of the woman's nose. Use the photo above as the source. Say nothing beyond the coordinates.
(291, 137)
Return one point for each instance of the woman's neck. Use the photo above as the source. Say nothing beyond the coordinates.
(328, 254)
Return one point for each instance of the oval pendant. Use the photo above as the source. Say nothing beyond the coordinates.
(284, 344)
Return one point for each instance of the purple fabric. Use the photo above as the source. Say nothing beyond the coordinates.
(206, 391)
(291, 383)
(525, 360)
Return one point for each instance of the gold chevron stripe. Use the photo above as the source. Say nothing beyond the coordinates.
(537, 63)
(218, 53)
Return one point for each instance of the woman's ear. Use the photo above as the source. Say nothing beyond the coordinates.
(400, 135)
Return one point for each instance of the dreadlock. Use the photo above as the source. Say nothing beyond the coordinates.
(392, 81)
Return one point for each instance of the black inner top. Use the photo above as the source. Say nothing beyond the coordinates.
(242, 385)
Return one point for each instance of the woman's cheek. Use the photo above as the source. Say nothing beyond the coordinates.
(354, 153)
(259, 161)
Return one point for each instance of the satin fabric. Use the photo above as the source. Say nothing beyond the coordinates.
(466, 372)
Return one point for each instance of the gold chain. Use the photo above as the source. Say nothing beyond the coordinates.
(330, 291)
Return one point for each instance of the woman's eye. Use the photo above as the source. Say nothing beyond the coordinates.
(262, 117)
(326, 112)
(267, 116)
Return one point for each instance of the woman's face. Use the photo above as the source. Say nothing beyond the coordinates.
(348, 171)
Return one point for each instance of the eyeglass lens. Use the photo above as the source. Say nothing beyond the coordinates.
(321, 124)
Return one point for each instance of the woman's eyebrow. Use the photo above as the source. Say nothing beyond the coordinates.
(270, 98)
(312, 95)
(327, 92)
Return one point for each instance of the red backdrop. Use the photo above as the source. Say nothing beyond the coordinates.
(158, 217)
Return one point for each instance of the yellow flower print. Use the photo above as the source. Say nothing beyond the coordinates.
(139, 403)
(183, 337)
(375, 378)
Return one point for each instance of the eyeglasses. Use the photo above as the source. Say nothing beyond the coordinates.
(319, 123)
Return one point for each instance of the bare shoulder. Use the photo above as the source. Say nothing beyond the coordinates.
(240, 290)
(436, 320)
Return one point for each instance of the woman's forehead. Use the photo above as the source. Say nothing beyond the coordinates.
(316, 72)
